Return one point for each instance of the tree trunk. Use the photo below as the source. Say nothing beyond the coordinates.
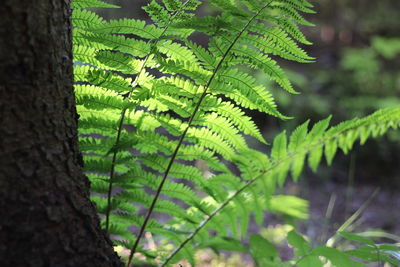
(46, 218)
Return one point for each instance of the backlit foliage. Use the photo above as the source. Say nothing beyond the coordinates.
(152, 103)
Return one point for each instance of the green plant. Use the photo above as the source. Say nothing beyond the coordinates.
(152, 103)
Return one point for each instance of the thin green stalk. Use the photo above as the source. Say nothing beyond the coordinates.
(328, 216)
(113, 161)
(112, 171)
(352, 218)
(350, 184)
(363, 207)
(123, 113)
(182, 137)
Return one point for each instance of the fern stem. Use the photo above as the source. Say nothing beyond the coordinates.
(114, 158)
(112, 171)
(182, 137)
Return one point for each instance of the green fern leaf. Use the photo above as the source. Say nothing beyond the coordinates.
(266, 64)
(91, 3)
(85, 19)
(119, 62)
(290, 12)
(128, 26)
(234, 114)
(224, 128)
(157, 13)
(137, 48)
(203, 55)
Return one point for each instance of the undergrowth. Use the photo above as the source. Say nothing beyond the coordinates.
(164, 132)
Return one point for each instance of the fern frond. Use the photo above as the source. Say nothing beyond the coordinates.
(229, 7)
(175, 51)
(288, 26)
(94, 97)
(134, 47)
(179, 86)
(101, 122)
(298, 5)
(119, 62)
(103, 79)
(211, 140)
(157, 13)
(81, 37)
(289, 11)
(183, 106)
(246, 92)
(276, 42)
(268, 65)
(171, 189)
(91, 3)
(252, 5)
(342, 135)
(173, 5)
(85, 19)
(209, 61)
(194, 71)
(85, 54)
(178, 170)
(207, 25)
(224, 128)
(235, 114)
(128, 26)
(165, 206)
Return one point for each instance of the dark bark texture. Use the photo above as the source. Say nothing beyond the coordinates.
(46, 218)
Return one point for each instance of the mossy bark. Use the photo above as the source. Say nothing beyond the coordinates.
(46, 218)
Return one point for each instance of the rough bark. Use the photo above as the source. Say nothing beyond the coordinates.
(46, 218)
